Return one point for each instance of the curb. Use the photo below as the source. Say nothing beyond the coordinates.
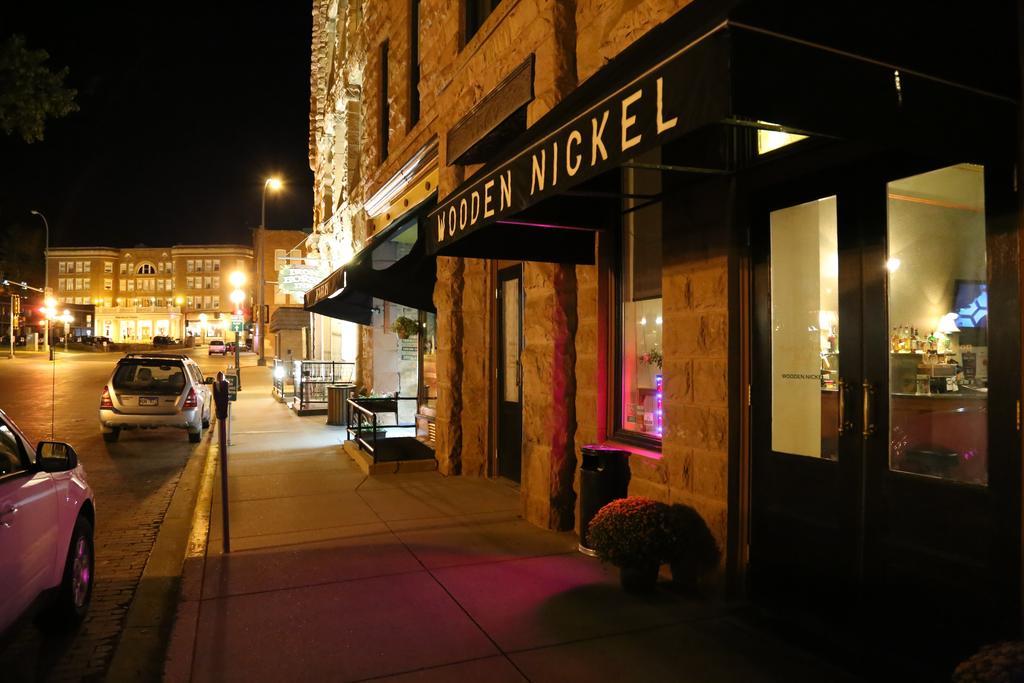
(140, 651)
(177, 663)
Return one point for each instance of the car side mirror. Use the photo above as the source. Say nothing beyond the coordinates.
(55, 456)
(208, 380)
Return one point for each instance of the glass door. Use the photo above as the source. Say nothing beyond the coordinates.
(885, 475)
(938, 402)
(806, 326)
(510, 389)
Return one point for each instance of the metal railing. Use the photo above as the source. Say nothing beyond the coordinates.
(363, 425)
(312, 377)
(283, 388)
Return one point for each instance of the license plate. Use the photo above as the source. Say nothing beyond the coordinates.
(147, 400)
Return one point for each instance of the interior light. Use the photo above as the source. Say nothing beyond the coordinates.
(893, 264)
(657, 321)
(771, 140)
(643, 320)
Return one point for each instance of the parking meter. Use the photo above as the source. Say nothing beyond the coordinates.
(221, 396)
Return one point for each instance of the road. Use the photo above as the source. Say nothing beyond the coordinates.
(133, 480)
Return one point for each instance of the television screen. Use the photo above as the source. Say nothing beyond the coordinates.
(970, 303)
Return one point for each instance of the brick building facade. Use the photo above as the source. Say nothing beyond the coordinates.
(142, 292)
(611, 177)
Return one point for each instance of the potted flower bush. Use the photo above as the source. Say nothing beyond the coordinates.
(631, 533)
(691, 549)
(405, 327)
(998, 663)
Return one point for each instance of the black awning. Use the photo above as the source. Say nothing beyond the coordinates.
(394, 266)
(674, 82)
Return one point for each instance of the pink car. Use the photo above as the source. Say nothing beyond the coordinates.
(46, 530)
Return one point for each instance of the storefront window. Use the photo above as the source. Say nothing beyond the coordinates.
(938, 325)
(640, 346)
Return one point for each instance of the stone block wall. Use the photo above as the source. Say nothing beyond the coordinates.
(607, 27)
(477, 300)
(697, 262)
(549, 395)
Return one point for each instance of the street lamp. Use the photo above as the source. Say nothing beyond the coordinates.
(46, 260)
(274, 184)
(237, 280)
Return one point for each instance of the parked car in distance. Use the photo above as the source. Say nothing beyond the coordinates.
(217, 346)
(161, 340)
(47, 517)
(151, 390)
(101, 341)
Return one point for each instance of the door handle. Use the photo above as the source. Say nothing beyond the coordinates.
(844, 425)
(869, 409)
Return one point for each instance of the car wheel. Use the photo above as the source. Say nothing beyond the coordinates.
(75, 592)
(206, 422)
(112, 435)
(195, 437)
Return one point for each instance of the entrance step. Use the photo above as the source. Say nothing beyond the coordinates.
(395, 455)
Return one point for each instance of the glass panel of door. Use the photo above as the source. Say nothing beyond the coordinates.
(938, 320)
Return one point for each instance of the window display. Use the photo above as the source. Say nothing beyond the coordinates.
(641, 352)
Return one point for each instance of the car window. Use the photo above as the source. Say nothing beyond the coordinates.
(150, 377)
(11, 455)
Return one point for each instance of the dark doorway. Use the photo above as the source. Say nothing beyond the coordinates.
(885, 475)
(510, 386)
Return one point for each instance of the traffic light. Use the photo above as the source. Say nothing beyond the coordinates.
(15, 306)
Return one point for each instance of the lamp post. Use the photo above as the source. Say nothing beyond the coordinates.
(237, 280)
(46, 267)
(274, 184)
(49, 311)
(66, 318)
(202, 327)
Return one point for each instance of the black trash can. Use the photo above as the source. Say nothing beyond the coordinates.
(604, 477)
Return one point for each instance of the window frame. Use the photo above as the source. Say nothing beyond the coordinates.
(616, 414)
(23, 452)
(471, 21)
(414, 63)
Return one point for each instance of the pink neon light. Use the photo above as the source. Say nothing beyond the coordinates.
(659, 394)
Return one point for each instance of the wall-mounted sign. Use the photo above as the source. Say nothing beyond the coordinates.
(688, 90)
(298, 279)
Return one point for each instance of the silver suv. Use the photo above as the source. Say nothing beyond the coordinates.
(150, 390)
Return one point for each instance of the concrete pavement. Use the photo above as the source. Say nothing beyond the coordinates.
(337, 576)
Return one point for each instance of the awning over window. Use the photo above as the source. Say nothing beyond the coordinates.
(672, 84)
(393, 266)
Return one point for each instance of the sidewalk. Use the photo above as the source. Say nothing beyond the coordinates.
(335, 576)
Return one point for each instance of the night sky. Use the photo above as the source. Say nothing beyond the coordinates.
(185, 107)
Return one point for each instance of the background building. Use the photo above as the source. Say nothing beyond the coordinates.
(287, 276)
(142, 292)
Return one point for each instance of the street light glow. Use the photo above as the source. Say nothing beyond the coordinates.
(237, 297)
(50, 302)
(237, 279)
(274, 183)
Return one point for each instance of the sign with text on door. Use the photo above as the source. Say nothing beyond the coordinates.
(805, 358)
